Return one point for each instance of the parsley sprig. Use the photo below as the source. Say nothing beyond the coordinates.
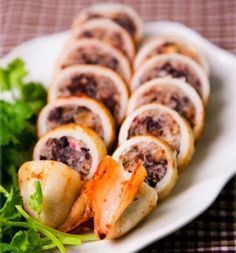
(35, 236)
(20, 102)
(36, 199)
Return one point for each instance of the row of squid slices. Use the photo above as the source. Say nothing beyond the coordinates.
(89, 90)
(166, 111)
(87, 99)
(96, 59)
(89, 87)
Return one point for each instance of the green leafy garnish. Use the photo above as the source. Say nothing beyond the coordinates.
(33, 236)
(12, 199)
(12, 76)
(26, 241)
(36, 199)
(18, 116)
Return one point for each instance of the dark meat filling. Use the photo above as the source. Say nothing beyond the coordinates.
(126, 22)
(157, 124)
(97, 87)
(152, 158)
(172, 98)
(106, 35)
(176, 70)
(69, 151)
(120, 18)
(92, 55)
(74, 114)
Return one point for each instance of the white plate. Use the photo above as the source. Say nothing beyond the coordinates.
(214, 161)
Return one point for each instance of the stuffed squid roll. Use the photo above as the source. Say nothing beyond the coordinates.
(83, 111)
(174, 93)
(176, 66)
(94, 52)
(108, 32)
(122, 14)
(116, 200)
(161, 44)
(160, 121)
(156, 156)
(96, 82)
(78, 147)
(60, 188)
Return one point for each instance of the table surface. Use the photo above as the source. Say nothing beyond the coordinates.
(21, 20)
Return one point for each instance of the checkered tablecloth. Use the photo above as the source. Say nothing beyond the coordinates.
(20, 20)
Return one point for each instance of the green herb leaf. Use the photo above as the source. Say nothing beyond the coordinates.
(26, 242)
(5, 247)
(36, 199)
(34, 95)
(12, 76)
(18, 118)
(13, 118)
(8, 211)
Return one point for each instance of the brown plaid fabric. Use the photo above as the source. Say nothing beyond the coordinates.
(21, 20)
(25, 19)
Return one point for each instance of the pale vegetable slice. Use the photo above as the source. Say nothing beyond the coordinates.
(94, 52)
(96, 82)
(107, 31)
(157, 157)
(177, 95)
(176, 66)
(60, 187)
(77, 146)
(122, 14)
(83, 111)
(160, 121)
(164, 44)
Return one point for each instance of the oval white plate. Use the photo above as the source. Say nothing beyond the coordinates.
(214, 161)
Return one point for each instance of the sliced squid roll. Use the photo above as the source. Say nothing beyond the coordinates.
(113, 198)
(176, 66)
(77, 146)
(106, 31)
(83, 111)
(122, 14)
(60, 188)
(117, 200)
(174, 93)
(160, 121)
(96, 82)
(144, 202)
(94, 52)
(157, 45)
(157, 157)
